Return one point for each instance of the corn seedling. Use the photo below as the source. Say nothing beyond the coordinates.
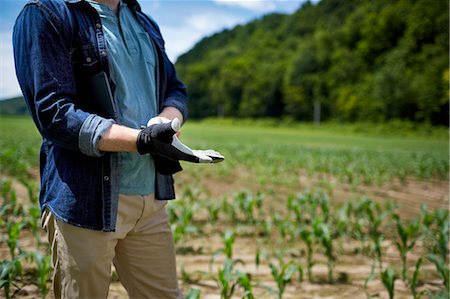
(307, 236)
(442, 233)
(294, 206)
(193, 294)
(43, 269)
(322, 233)
(267, 227)
(245, 282)
(408, 235)
(181, 216)
(33, 223)
(228, 241)
(9, 271)
(213, 211)
(282, 275)
(13, 230)
(388, 278)
(414, 279)
(229, 279)
(441, 268)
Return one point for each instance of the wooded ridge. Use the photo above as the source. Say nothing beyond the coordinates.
(335, 60)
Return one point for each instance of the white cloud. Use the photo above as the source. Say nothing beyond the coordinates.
(9, 87)
(254, 5)
(181, 38)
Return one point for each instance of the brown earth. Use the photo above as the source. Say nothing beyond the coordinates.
(196, 265)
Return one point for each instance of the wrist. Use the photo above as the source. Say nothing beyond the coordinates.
(171, 113)
(119, 139)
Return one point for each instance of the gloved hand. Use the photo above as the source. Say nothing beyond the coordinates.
(163, 165)
(160, 139)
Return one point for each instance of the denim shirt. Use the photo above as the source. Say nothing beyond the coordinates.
(57, 45)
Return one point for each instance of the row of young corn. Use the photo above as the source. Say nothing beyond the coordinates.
(20, 266)
(306, 225)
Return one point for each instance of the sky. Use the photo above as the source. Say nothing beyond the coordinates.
(183, 23)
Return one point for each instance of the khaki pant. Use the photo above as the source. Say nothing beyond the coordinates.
(141, 249)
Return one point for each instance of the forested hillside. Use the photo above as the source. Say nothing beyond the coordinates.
(341, 60)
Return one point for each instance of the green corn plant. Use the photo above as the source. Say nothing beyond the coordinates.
(437, 295)
(442, 269)
(193, 294)
(360, 222)
(340, 224)
(225, 279)
(226, 207)
(322, 233)
(43, 269)
(229, 238)
(285, 228)
(33, 223)
(414, 279)
(324, 203)
(13, 231)
(377, 249)
(213, 211)
(181, 216)
(229, 279)
(248, 204)
(426, 218)
(408, 234)
(294, 206)
(9, 206)
(259, 199)
(32, 189)
(307, 236)
(10, 270)
(282, 275)
(258, 256)
(388, 278)
(244, 281)
(441, 234)
(267, 227)
(375, 215)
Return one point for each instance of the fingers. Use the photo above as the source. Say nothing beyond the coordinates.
(157, 120)
(176, 125)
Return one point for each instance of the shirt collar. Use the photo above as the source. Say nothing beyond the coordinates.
(132, 4)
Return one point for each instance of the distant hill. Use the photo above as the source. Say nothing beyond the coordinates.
(13, 106)
(344, 60)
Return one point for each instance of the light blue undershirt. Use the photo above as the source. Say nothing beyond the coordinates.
(132, 62)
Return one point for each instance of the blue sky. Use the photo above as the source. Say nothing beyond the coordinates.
(182, 22)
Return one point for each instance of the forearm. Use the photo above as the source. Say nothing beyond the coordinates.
(171, 113)
(123, 139)
(119, 139)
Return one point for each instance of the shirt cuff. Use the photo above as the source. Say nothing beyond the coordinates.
(90, 133)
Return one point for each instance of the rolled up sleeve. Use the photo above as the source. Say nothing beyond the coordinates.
(91, 132)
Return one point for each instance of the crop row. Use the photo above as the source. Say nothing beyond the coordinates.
(308, 219)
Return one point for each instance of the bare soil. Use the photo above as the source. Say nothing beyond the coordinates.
(194, 259)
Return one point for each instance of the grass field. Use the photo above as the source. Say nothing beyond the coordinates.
(293, 212)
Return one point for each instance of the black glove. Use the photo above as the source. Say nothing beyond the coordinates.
(156, 140)
(160, 140)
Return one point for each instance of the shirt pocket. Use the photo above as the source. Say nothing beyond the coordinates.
(148, 49)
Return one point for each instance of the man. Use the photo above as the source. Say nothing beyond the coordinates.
(101, 200)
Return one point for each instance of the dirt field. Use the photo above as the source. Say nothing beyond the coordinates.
(194, 254)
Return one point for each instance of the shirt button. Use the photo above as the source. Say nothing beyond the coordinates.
(88, 59)
(103, 53)
(98, 25)
(106, 178)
